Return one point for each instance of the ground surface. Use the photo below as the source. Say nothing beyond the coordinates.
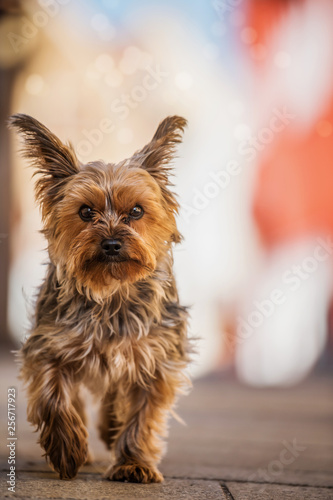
(239, 443)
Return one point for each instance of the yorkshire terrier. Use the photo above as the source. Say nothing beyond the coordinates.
(107, 314)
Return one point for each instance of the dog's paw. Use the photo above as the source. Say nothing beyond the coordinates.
(134, 473)
(66, 448)
(65, 463)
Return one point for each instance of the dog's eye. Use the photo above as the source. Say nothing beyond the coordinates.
(86, 213)
(136, 212)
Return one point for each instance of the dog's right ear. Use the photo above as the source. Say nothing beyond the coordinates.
(53, 160)
(158, 154)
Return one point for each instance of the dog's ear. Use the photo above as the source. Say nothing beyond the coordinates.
(156, 156)
(54, 161)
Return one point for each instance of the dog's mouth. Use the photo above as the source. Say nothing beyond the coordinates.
(109, 259)
(102, 258)
(102, 268)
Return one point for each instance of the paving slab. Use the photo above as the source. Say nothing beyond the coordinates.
(247, 491)
(41, 486)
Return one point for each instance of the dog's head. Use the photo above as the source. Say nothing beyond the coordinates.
(104, 222)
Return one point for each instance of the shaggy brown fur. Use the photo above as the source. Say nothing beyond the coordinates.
(111, 322)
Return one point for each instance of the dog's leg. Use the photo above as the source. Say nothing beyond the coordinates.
(108, 424)
(138, 447)
(79, 407)
(63, 435)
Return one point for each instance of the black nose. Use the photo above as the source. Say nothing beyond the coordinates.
(111, 247)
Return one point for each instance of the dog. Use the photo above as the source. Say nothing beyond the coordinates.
(107, 315)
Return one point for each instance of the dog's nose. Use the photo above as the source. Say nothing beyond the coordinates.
(111, 247)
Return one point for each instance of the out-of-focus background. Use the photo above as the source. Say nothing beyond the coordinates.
(254, 78)
(254, 175)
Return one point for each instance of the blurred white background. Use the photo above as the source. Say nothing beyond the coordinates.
(254, 81)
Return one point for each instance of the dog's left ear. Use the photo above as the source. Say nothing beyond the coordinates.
(156, 156)
(54, 161)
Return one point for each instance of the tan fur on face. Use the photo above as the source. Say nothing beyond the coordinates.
(112, 191)
(116, 327)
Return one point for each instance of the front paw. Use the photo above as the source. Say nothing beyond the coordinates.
(65, 446)
(134, 473)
